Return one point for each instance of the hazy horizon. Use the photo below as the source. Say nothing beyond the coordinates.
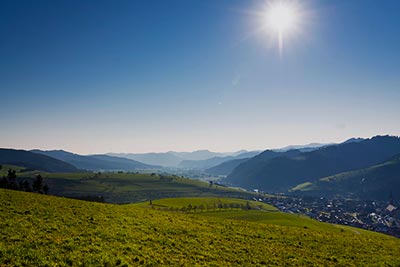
(138, 76)
(193, 150)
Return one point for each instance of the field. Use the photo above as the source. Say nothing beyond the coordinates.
(127, 187)
(39, 230)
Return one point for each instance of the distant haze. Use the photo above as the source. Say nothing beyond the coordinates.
(88, 149)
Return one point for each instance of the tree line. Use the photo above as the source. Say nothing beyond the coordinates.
(9, 181)
(214, 207)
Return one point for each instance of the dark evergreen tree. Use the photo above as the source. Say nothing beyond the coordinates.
(12, 179)
(46, 189)
(26, 186)
(38, 184)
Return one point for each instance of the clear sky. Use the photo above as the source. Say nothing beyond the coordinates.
(146, 75)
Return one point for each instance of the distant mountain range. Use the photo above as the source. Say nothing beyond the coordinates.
(167, 159)
(227, 167)
(70, 162)
(200, 159)
(96, 162)
(360, 168)
(276, 172)
(303, 148)
(214, 161)
(34, 161)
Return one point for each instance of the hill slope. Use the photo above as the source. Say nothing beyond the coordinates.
(374, 183)
(243, 173)
(38, 230)
(226, 167)
(95, 162)
(208, 163)
(34, 161)
(167, 159)
(282, 173)
(129, 187)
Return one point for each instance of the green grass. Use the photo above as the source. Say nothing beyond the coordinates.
(38, 230)
(260, 212)
(302, 187)
(129, 187)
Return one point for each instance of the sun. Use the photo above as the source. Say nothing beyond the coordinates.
(281, 19)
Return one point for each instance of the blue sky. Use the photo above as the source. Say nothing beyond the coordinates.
(137, 76)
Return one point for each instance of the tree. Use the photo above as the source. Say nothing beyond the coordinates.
(12, 179)
(46, 190)
(38, 184)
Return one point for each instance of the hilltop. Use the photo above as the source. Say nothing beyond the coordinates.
(33, 161)
(38, 230)
(96, 162)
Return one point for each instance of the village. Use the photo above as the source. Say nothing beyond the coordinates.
(378, 216)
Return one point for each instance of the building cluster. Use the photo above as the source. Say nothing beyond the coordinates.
(379, 216)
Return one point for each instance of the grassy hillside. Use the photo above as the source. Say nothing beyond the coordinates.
(129, 187)
(38, 230)
(375, 182)
(208, 204)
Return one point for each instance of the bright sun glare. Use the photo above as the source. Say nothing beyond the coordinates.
(281, 18)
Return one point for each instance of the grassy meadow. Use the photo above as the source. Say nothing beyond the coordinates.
(126, 187)
(40, 230)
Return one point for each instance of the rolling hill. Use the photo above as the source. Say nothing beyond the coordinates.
(34, 161)
(254, 167)
(128, 187)
(96, 162)
(280, 173)
(373, 183)
(39, 230)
